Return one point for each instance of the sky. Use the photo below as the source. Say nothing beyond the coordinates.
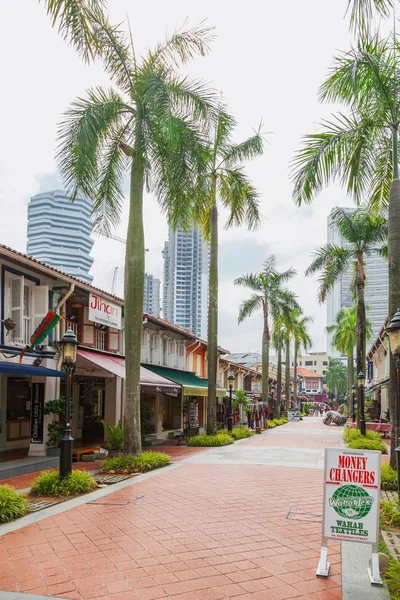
(268, 59)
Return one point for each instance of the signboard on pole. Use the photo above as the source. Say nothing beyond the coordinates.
(293, 415)
(37, 413)
(352, 485)
(370, 370)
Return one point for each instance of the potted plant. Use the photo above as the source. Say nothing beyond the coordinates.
(114, 438)
(55, 428)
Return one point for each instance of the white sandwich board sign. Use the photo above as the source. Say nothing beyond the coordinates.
(352, 486)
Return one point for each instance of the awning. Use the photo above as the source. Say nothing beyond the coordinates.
(21, 369)
(192, 385)
(149, 382)
(378, 385)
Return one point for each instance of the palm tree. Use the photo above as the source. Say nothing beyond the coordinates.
(273, 298)
(151, 128)
(344, 339)
(223, 181)
(298, 326)
(277, 342)
(362, 12)
(363, 234)
(336, 377)
(361, 150)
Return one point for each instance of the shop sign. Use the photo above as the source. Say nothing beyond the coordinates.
(351, 502)
(37, 413)
(370, 370)
(103, 312)
(293, 415)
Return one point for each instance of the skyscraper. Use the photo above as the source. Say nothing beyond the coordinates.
(376, 288)
(152, 302)
(59, 233)
(185, 290)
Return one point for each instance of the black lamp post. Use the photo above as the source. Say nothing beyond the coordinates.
(354, 405)
(231, 379)
(274, 402)
(361, 389)
(393, 331)
(68, 346)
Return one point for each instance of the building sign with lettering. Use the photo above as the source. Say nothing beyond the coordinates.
(104, 313)
(37, 413)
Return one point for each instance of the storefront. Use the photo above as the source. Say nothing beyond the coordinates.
(24, 389)
(193, 401)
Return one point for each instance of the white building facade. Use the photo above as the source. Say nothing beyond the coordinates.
(186, 267)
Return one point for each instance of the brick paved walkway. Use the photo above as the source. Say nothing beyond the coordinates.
(197, 532)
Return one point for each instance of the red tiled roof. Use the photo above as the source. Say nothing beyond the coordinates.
(301, 372)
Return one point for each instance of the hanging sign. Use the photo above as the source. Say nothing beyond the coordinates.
(352, 480)
(293, 415)
(370, 370)
(37, 413)
(103, 312)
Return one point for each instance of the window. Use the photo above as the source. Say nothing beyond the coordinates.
(315, 363)
(323, 372)
(308, 363)
(27, 304)
(181, 350)
(325, 363)
(300, 363)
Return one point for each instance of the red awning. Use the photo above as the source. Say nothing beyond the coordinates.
(149, 381)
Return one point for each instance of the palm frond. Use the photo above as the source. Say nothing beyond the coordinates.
(246, 150)
(343, 151)
(252, 281)
(107, 206)
(248, 307)
(81, 136)
(333, 261)
(240, 198)
(76, 22)
(362, 12)
(182, 46)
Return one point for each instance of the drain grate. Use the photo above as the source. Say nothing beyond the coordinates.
(35, 505)
(295, 514)
(392, 541)
(126, 503)
(110, 479)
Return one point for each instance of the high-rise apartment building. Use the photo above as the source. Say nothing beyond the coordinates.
(59, 233)
(186, 264)
(376, 288)
(152, 301)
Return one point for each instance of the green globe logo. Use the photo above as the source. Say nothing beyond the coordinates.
(351, 501)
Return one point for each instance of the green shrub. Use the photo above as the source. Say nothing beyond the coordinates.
(388, 477)
(115, 436)
(240, 433)
(128, 463)
(13, 504)
(271, 424)
(50, 484)
(371, 440)
(391, 513)
(220, 439)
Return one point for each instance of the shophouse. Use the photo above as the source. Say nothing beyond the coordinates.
(378, 357)
(311, 384)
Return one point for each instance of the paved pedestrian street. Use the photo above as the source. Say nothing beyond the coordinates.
(240, 522)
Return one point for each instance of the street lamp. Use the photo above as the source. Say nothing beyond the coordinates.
(361, 383)
(274, 402)
(68, 347)
(231, 379)
(393, 331)
(353, 396)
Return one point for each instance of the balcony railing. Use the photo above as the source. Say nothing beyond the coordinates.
(101, 339)
(72, 325)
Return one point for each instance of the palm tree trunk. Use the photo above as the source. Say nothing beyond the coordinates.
(265, 358)
(350, 381)
(133, 314)
(296, 351)
(279, 380)
(361, 317)
(287, 372)
(212, 351)
(394, 291)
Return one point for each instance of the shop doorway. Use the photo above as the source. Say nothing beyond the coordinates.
(18, 411)
(91, 409)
